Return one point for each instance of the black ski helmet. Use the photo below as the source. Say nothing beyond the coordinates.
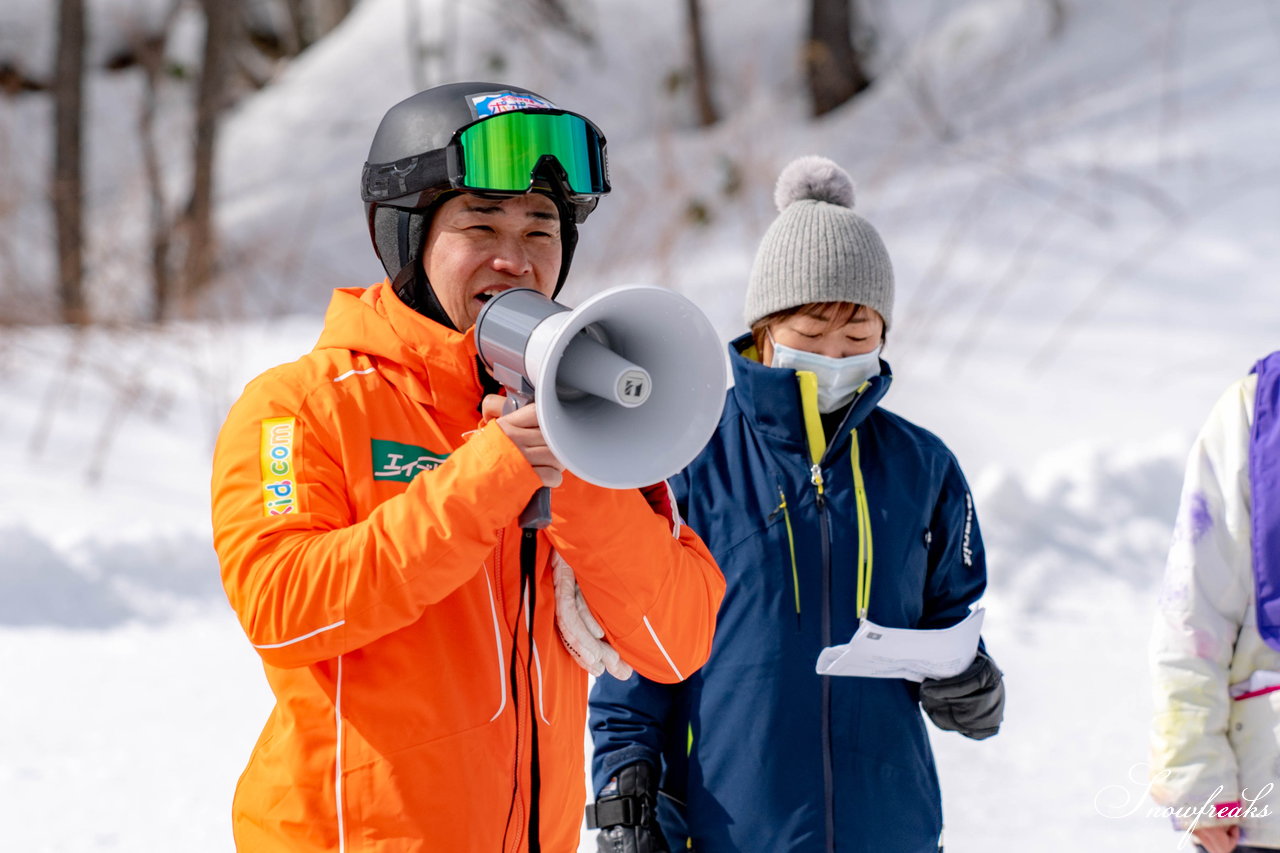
(414, 165)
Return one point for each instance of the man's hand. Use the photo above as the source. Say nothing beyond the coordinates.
(581, 634)
(521, 426)
(1218, 839)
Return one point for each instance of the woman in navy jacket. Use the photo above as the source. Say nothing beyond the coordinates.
(821, 508)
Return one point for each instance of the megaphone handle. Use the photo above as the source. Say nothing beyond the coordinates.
(537, 513)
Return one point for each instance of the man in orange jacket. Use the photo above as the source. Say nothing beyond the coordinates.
(364, 506)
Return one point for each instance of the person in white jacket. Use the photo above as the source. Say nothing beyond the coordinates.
(1216, 733)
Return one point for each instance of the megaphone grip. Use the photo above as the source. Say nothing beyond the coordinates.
(537, 513)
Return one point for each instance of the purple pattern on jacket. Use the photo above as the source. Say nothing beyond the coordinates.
(1264, 482)
(1199, 519)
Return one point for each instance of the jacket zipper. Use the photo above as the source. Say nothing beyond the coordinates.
(815, 476)
(824, 529)
(824, 537)
(866, 554)
(791, 546)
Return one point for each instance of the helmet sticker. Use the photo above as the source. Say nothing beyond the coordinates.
(492, 103)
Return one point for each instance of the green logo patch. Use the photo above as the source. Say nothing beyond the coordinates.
(400, 463)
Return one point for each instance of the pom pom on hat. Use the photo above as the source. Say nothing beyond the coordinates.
(815, 178)
(818, 249)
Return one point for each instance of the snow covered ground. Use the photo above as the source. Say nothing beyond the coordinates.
(1083, 220)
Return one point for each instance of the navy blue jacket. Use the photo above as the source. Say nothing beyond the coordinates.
(757, 751)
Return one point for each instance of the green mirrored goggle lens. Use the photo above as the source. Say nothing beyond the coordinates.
(501, 152)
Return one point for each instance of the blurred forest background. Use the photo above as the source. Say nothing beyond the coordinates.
(188, 63)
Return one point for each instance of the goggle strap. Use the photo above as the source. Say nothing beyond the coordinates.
(383, 181)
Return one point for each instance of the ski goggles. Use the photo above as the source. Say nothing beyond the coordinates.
(504, 153)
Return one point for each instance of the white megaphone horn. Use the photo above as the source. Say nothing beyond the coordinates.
(629, 385)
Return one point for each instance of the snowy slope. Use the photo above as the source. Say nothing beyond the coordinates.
(1082, 220)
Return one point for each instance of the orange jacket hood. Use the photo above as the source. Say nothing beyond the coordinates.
(422, 358)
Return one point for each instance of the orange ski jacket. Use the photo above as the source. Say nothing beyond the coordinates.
(364, 518)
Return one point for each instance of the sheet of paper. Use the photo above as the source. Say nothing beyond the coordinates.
(879, 652)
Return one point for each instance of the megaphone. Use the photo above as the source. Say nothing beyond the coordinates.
(628, 386)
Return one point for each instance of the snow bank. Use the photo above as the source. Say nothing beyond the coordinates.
(39, 587)
(1082, 516)
(100, 584)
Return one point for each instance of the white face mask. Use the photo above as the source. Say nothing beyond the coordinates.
(838, 378)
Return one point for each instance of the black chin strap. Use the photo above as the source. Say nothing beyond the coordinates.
(411, 285)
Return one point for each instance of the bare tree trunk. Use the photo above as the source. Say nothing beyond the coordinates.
(151, 55)
(558, 15)
(298, 20)
(833, 66)
(161, 288)
(1057, 17)
(330, 13)
(707, 114)
(212, 97)
(418, 49)
(285, 28)
(68, 182)
(554, 13)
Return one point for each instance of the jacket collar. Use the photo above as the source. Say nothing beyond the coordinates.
(433, 365)
(770, 398)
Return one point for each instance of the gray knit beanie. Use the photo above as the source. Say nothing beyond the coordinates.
(818, 249)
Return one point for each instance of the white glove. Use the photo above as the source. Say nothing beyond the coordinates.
(579, 631)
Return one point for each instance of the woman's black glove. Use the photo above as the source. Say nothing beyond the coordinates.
(971, 703)
(626, 813)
